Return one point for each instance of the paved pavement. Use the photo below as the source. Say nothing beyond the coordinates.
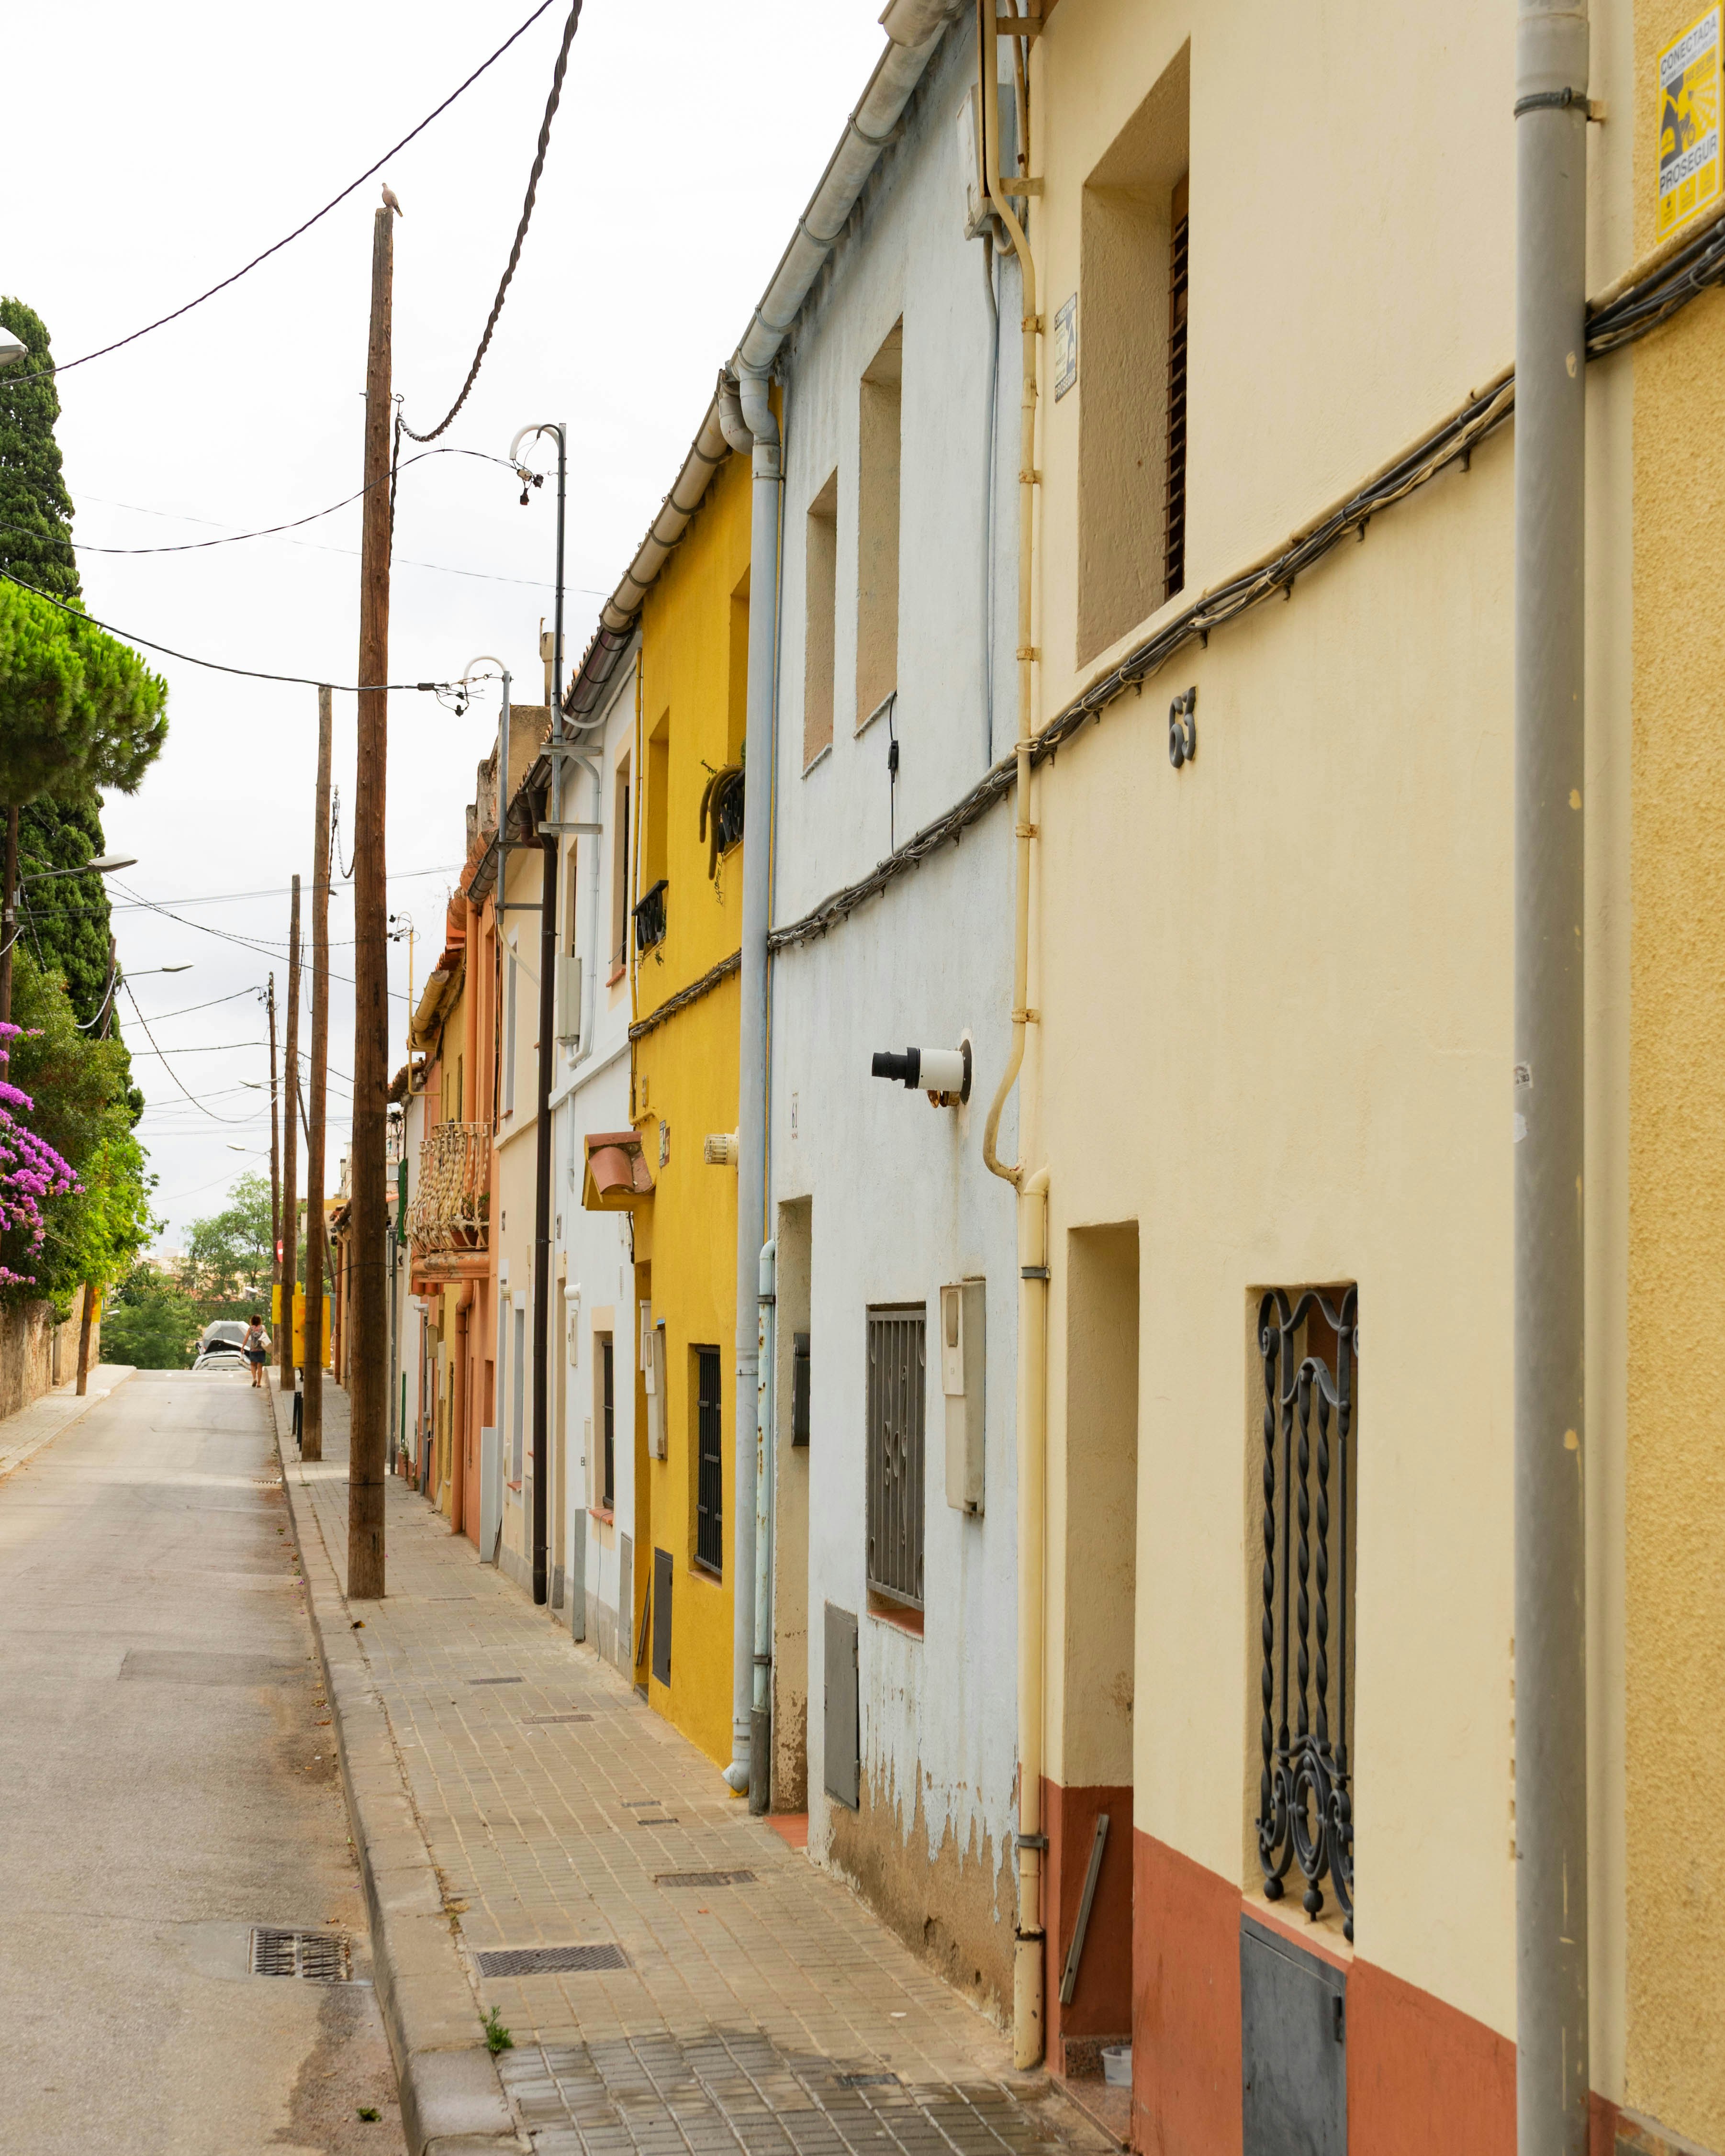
(26, 1432)
(772, 2013)
(169, 1782)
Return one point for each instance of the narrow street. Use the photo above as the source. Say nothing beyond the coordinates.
(170, 1783)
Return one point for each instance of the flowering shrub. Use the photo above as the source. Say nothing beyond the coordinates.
(31, 1171)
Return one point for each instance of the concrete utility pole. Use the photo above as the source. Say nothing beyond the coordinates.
(290, 1154)
(275, 1168)
(368, 1375)
(8, 916)
(1548, 1089)
(311, 1435)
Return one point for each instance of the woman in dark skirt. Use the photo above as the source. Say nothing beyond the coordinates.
(257, 1348)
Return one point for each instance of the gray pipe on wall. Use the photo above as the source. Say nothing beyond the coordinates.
(1550, 1482)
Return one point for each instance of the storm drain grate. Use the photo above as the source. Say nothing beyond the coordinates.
(540, 1721)
(703, 1879)
(315, 1957)
(479, 1681)
(867, 2081)
(548, 1961)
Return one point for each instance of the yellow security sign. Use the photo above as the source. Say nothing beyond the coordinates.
(1689, 123)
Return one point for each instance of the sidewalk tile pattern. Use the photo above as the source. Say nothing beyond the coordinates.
(740, 2006)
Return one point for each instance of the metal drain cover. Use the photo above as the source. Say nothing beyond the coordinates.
(703, 1879)
(548, 1961)
(315, 1957)
(479, 1681)
(867, 2081)
(540, 1721)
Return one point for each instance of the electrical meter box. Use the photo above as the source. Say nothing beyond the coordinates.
(963, 1358)
(652, 1380)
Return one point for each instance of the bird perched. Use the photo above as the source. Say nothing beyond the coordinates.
(390, 202)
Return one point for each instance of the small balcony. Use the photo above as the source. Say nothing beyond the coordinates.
(649, 917)
(450, 1217)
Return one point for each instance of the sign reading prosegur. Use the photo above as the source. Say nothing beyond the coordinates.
(1689, 171)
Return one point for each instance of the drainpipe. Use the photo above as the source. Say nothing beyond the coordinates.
(457, 1467)
(1027, 1989)
(757, 415)
(549, 845)
(1550, 1480)
(766, 1463)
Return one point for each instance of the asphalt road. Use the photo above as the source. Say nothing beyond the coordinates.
(168, 1780)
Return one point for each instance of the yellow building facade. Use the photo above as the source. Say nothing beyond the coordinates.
(684, 895)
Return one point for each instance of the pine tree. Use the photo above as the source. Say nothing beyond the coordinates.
(35, 509)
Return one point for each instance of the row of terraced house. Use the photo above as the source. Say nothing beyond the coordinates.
(1065, 1168)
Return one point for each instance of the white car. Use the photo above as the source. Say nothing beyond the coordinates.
(221, 1346)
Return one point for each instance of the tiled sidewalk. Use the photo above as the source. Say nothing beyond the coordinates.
(560, 1812)
(37, 1424)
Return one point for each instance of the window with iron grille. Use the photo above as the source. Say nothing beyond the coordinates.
(608, 1360)
(1174, 516)
(710, 1463)
(897, 1358)
(1308, 1342)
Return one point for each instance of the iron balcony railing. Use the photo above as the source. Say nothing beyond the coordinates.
(650, 917)
(450, 1212)
(1310, 1348)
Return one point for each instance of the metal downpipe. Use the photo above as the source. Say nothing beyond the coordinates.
(1550, 1548)
(751, 1048)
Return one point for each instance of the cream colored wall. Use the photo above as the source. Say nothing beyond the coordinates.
(513, 1200)
(1287, 1053)
(1675, 1482)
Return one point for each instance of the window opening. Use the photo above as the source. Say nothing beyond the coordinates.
(518, 1390)
(820, 581)
(509, 1038)
(895, 1411)
(877, 511)
(608, 1360)
(710, 1477)
(1310, 1349)
(1174, 509)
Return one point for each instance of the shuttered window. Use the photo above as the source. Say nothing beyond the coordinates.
(1174, 515)
(609, 1498)
(710, 1472)
(897, 1357)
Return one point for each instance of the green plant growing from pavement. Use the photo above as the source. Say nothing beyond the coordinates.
(497, 2037)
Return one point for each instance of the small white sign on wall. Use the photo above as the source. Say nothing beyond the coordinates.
(1066, 347)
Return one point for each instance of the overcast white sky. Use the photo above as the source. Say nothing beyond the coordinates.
(176, 143)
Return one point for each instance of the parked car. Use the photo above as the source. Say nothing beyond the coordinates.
(221, 1346)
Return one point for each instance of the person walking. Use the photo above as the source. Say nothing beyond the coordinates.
(257, 1348)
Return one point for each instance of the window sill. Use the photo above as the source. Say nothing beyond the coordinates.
(818, 758)
(895, 1613)
(1324, 1939)
(702, 1570)
(605, 1514)
(613, 978)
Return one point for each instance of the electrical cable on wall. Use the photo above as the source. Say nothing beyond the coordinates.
(43, 374)
(515, 252)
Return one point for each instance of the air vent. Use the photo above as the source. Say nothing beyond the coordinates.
(703, 1879)
(549, 1961)
(315, 1956)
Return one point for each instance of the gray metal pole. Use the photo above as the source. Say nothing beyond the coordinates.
(1550, 1543)
(752, 1053)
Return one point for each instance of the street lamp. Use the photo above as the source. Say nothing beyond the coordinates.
(103, 864)
(148, 970)
(11, 348)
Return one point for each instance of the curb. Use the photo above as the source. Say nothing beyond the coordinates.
(127, 1371)
(452, 2097)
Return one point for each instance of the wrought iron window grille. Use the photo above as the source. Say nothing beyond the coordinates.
(710, 1472)
(650, 917)
(897, 1414)
(1310, 1349)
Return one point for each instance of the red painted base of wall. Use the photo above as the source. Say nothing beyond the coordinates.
(1102, 1998)
(1424, 2079)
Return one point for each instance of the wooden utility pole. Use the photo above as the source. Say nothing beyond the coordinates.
(368, 1341)
(8, 916)
(274, 1164)
(311, 1429)
(290, 1154)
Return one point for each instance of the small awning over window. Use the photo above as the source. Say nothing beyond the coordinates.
(617, 1175)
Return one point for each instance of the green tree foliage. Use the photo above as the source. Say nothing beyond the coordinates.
(80, 1087)
(78, 709)
(229, 1257)
(64, 920)
(35, 509)
(151, 1322)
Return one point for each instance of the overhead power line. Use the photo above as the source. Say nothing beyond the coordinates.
(299, 230)
(521, 234)
(167, 1066)
(216, 666)
(262, 946)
